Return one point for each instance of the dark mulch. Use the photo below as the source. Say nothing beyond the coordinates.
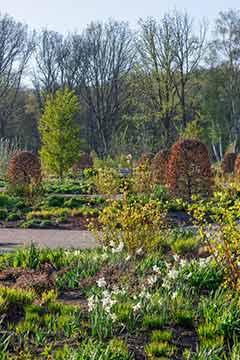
(74, 297)
(38, 280)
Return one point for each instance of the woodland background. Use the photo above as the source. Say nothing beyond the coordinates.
(138, 89)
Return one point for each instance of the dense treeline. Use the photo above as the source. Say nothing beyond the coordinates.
(137, 90)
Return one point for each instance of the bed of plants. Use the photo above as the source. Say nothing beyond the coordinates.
(49, 211)
(121, 302)
(153, 290)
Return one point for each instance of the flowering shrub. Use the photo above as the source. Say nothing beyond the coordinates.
(107, 181)
(141, 180)
(223, 240)
(228, 163)
(189, 169)
(137, 226)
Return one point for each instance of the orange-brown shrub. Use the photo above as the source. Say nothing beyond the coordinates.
(85, 162)
(189, 169)
(159, 167)
(237, 167)
(24, 168)
(228, 163)
(145, 159)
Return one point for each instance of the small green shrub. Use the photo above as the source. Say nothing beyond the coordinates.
(184, 317)
(14, 216)
(3, 214)
(55, 201)
(154, 321)
(184, 246)
(161, 335)
(160, 350)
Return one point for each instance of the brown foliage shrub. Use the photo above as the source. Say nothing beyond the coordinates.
(237, 167)
(85, 162)
(229, 163)
(189, 169)
(159, 167)
(24, 168)
(145, 159)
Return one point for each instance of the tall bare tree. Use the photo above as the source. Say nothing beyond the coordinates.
(156, 49)
(16, 46)
(226, 48)
(107, 55)
(188, 53)
(47, 70)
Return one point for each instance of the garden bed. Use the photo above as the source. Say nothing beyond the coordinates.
(108, 304)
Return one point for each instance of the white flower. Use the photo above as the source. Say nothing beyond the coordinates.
(128, 257)
(113, 317)
(166, 284)
(112, 244)
(104, 256)
(152, 280)
(91, 303)
(119, 248)
(176, 257)
(156, 269)
(101, 282)
(137, 307)
(144, 295)
(107, 302)
(173, 274)
(183, 262)
(139, 251)
(174, 295)
(77, 252)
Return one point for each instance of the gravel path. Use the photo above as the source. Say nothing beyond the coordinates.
(13, 238)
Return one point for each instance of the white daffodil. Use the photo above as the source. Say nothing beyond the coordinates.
(137, 307)
(101, 283)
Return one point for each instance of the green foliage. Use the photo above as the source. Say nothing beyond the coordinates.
(60, 132)
(92, 350)
(160, 350)
(161, 335)
(55, 201)
(183, 246)
(201, 276)
(183, 241)
(3, 214)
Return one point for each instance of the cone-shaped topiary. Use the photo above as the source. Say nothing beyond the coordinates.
(189, 169)
(237, 167)
(228, 163)
(159, 167)
(24, 168)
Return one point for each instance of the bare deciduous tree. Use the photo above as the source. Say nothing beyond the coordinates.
(107, 60)
(16, 46)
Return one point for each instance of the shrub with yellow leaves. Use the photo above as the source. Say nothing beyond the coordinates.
(107, 181)
(222, 234)
(141, 180)
(140, 227)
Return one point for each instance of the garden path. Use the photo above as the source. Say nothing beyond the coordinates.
(13, 238)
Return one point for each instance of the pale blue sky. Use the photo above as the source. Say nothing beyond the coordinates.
(70, 15)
